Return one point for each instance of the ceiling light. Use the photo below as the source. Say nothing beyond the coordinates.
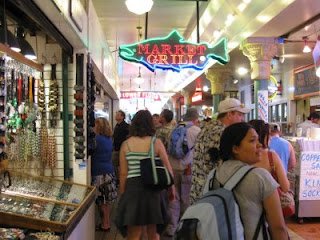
(139, 6)
(26, 48)
(263, 18)
(139, 80)
(318, 72)
(13, 42)
(242, 71)
(306, 48)
(235, 81)
(229, 20)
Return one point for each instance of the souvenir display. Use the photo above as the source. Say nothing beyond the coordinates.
(78, 112)
(91, 82)
(42, 203)
(12, 233)
(53, 106)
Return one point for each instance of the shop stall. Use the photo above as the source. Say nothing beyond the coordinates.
(305, 177)
(38, 204)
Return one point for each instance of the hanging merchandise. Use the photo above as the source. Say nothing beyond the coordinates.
(90, 108)
(31, 90)
(53, 97)
(19, 89)
(41, 98)
(52, 152)
(44, 147)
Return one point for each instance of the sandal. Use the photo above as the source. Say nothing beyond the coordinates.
(99, 228)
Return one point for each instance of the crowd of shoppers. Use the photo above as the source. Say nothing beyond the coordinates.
(226, 143)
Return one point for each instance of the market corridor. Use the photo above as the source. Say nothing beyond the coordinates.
(309, 230)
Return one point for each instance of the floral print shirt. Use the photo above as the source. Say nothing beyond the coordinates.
(208, 137)
(164, 134)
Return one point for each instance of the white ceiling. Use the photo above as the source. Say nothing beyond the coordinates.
(120, 27)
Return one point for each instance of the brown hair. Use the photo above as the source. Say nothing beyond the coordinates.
(262, 129)
(142, 124)
(102, 127)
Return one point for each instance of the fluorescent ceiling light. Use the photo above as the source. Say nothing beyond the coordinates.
(318, 72)
(139, 6)
(306, 48)
(205, 88)
(242, 71)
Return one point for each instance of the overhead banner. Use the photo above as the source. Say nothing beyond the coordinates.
(174, 53)
(148, 95)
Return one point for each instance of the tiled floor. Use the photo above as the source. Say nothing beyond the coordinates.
(308, 230)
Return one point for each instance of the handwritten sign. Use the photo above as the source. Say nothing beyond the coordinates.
(306, 82)
(263, 105)
(309, 176)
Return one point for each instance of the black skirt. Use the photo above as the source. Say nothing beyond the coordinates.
(140, 206)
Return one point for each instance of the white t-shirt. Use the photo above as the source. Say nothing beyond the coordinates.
(305, 125)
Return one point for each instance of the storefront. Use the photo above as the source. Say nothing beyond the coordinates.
(47, 114)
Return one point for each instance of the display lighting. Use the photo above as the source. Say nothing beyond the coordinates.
(26, 48)
(139, 6)
(306, 48)
(13, 42)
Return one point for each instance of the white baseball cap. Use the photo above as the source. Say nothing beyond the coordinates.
(232, 104)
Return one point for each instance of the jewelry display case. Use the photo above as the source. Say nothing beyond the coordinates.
(43, 203)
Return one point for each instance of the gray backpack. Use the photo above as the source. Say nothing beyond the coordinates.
(216, 215)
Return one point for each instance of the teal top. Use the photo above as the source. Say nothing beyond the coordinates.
(133, 159)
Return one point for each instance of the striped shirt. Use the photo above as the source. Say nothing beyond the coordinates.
(133, 159)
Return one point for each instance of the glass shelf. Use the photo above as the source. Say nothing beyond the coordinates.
(43, 203)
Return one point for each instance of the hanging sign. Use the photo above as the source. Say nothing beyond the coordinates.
(149, 95)
(174, 53)
(196, 97)
(263, 105)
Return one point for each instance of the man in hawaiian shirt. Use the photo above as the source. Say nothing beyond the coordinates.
(230, 111)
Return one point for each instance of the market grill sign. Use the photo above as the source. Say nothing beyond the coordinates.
(174, 53)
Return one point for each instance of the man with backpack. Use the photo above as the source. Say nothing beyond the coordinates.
(180, 150)
(230, 111)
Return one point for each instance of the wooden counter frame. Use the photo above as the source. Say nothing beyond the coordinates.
(18, 220)
(20, 58)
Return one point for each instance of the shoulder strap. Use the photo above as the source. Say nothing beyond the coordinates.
(151, 149)
(273, 168)
(237, 177)
(128, 146)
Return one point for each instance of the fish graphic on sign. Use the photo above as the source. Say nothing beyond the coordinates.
(174, 53)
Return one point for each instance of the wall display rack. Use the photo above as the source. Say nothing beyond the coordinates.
(43, 203)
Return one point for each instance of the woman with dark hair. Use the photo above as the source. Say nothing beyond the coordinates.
(257, 193)
(140, 207)
(102, 171)
(270, 159)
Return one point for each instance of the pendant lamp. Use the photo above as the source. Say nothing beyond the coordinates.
(13, 42)
(139, 6)
(26, 48)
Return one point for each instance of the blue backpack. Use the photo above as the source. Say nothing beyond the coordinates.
(178, 145)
